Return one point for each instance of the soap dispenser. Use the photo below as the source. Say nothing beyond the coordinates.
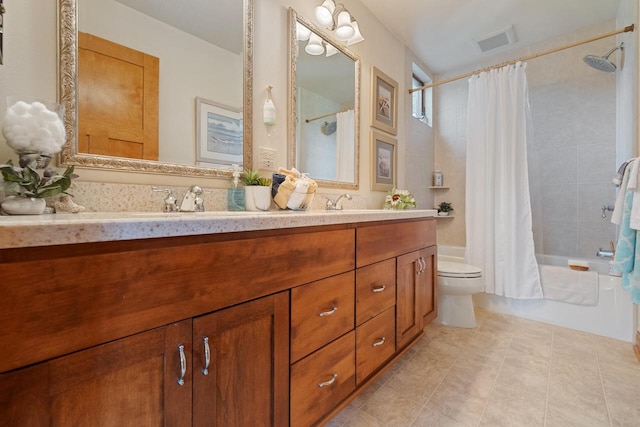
(235, 197)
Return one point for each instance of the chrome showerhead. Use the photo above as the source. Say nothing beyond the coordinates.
(602, 63)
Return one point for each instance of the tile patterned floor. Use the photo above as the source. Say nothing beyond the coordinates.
(508, 371)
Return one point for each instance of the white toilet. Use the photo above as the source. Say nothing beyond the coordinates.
(456, 283)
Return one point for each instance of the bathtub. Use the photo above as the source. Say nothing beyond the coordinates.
(613, 316)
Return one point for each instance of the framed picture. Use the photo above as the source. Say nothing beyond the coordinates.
(219, 133)
(383, 161)
(384, 102)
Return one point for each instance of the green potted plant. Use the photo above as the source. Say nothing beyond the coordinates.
(257, 191)
(28, 189)
(444, 208)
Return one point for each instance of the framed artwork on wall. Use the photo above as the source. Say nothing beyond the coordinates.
(219, 133)
(383, 161)
(384, 102)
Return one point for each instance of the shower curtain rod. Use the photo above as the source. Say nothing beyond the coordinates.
(526, 58)
(327, 115)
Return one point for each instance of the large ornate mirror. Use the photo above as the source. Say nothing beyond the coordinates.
(324, 110)
(189, 64)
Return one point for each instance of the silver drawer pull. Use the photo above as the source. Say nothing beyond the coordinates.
(379, 342)
(207, 356)
(379, 289)
(331, 381)
(328, 313)
(183, 365)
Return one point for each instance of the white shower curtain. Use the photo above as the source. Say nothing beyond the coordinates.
(498, 208)
(345, 152)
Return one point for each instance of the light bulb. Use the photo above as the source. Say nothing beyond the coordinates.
(344, 31)
(357, 36)
(314, 47)
(302, 32)
(324, 13)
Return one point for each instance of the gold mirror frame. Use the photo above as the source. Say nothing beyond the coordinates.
(67, 96)
(292, 107)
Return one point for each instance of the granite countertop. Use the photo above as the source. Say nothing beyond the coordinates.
(60, 229)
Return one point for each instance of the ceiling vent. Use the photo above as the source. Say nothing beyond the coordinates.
(495, 40)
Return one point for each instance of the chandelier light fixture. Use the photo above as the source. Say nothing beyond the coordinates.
(336, 18)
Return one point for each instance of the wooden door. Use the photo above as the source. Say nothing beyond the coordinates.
(408, 316)
(428, 283)
(131, 381)
(117, 100)
(247, 381)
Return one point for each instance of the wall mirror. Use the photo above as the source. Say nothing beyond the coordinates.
(324, 110)
(204, 83)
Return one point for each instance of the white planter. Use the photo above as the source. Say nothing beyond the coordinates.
(16, 205)
(443, 213)
(257, 198)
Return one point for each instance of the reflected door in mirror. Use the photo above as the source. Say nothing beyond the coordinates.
(118, 100)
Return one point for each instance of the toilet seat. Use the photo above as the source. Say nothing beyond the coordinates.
(458, 270)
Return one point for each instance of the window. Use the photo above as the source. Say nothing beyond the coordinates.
(421, 99)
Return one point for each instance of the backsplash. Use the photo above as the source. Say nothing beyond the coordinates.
(111, 197)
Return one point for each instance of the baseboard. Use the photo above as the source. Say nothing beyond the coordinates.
(636, 347)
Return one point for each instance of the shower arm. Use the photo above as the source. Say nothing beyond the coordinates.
(620, 46)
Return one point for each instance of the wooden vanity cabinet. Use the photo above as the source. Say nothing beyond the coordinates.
(130, 381)
(412, 246)
(265, 328)
(244, 380)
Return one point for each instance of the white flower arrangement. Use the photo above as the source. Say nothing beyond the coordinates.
(33, 128)
(399, 199)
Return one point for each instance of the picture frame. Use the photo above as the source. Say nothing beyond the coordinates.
(383, 161)
(219, 133)
(384, 102)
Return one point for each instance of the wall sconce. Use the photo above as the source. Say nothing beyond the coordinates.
(339, 20)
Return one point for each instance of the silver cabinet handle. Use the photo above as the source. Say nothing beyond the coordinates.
(422, 264)
(379, 342)
(183, 365)
(331, 381)
(328, 313)
(207, 356)
(379, 289)
(419, 266)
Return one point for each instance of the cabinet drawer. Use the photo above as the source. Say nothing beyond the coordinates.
(375, 289)
(321, 311)
(375, 343)
(320, 381)
(379, 242)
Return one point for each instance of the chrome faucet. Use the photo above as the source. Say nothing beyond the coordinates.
(192, 200)
(334, 205)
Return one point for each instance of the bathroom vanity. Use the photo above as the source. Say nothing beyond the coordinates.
(277, 319)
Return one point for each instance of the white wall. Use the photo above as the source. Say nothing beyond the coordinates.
(31, 65)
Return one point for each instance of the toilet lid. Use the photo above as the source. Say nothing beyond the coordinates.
(458, 269)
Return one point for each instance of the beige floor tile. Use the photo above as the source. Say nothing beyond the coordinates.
(463, 408)
(540, 347)
(506, 372)
(534, 380)
(623, 414)
(360, 419)
(575, 408)
(514, 406)
(527, 361)
(413, 386)
(428, 417)
(365, 395)
(343, 416)
(391, 408)
(574, 378)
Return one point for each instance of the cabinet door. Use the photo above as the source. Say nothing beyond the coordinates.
(247, 379)
(428, 285)
(408, 316)
(131, 381)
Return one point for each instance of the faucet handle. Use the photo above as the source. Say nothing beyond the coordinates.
(170, 202)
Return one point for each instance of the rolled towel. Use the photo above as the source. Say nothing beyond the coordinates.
(293, 172)
(296, 199)
(276, 180)
(311, 192)
(285, 189)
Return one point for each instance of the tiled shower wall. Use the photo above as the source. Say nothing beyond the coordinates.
(571, 153)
